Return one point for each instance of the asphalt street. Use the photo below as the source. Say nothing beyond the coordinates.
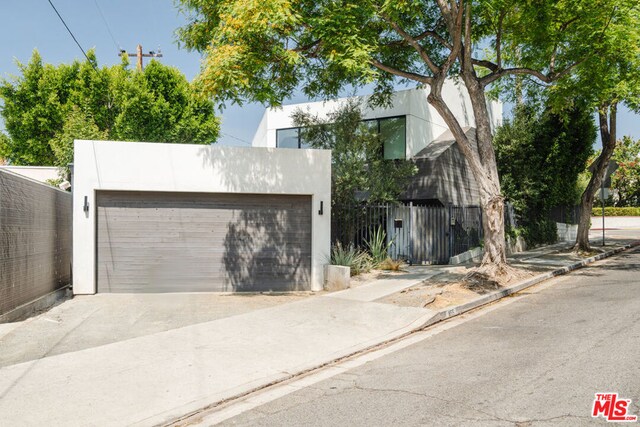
(536, 359)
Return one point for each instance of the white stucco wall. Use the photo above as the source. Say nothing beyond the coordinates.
(424, 124)
(106, 165)
(38, 173)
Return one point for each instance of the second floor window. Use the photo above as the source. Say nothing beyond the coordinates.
(393, 134)
(392, 131)
(290, 138)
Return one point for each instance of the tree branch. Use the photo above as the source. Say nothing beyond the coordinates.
(422, 36)
(499, 40)
(563, 27)
(546, 78)
(467, 62)
(456, 33)
(438, 37)
(446, 10)
(486, 64)
(307, 47)
(407, 75)
(413, 43)
(490, 78)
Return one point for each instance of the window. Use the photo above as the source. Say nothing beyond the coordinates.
(393, 134)
(290, 138)
(392, 130)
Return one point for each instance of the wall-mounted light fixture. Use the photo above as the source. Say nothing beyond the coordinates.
(86, 204)
(321, 211)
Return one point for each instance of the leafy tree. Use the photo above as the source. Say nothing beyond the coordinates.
(626, 179)
(540, 158)
(78, 125)
(262, 51)
(32, 112)
(608, 77)
(47, 107)
(357, 164)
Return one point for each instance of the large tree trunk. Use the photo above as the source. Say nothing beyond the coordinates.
(608, 136)
(482, 163)
(494, 258)
(479, 154)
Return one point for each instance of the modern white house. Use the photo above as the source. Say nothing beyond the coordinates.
(411, 129)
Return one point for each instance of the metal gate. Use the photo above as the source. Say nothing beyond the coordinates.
(418, 234)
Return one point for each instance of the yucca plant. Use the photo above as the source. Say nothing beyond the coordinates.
(378, 246)
(359, 261)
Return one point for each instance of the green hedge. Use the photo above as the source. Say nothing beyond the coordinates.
(611, 211)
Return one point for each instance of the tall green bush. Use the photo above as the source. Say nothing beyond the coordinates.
(540, 157)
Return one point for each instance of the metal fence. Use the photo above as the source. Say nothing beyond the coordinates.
(35, 240)
(565, 214)
(418, 234)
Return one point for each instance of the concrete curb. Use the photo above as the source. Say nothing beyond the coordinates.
(416, 326)
(494, 296)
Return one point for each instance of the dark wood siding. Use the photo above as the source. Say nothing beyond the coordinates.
(35, 240)
(192, 242)
(443, 175)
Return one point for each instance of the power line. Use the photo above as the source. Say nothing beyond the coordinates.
(235, 137)
(107, 25)
(72, 36)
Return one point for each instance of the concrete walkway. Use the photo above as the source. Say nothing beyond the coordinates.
(160, 377)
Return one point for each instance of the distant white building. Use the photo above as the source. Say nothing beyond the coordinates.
(408, 129)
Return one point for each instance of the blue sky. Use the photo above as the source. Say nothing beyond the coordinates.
(32, 24)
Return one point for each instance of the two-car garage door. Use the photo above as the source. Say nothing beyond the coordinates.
(190, 242)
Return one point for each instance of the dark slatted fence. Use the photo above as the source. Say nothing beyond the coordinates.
(35, 240)
(418, 234)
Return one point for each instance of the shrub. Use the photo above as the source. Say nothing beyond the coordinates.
(378, 246)
(391, 264)
(611, 211)
(540, 232)
(358, 260)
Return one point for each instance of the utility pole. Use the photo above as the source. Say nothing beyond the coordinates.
(141, 55)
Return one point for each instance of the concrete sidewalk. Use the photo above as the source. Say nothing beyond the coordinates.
(160, 377)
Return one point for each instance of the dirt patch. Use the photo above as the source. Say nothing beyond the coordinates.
(453, 294)
(443, 293)
(433, 296)
(587, 254)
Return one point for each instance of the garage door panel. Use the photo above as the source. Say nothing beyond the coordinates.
(169, 242)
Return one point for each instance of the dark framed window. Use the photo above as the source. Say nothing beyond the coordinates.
(393, 134)
(290, 138)
(392, 130)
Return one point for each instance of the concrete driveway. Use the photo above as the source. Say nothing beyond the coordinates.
(94, 320)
